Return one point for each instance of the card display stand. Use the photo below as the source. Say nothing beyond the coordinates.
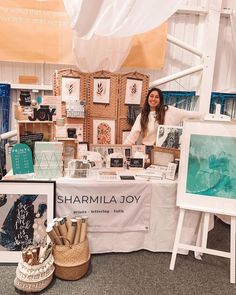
(48, 159)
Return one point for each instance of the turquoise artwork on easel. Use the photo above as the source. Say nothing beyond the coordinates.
(212, 166)
(21, 158)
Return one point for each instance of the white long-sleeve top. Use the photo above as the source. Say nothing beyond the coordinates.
(173, 116)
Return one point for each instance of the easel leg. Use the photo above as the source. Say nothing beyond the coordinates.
(177, 238)
(205, 230)
(232, 250)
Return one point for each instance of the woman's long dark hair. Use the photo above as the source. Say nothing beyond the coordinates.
(160, 110)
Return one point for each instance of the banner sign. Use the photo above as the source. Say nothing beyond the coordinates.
(110, 206)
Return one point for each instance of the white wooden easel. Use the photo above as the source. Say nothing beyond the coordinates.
(203, 248)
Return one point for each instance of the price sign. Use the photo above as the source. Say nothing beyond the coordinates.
(21, 158)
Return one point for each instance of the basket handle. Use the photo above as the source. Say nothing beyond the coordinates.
(65, 238)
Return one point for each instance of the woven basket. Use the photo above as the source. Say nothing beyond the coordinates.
(71, 261)
(34, 278)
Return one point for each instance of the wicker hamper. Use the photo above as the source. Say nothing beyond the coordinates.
(34, 278)
(71, 261)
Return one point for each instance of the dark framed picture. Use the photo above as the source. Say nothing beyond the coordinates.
(169, 136)
(26, 207)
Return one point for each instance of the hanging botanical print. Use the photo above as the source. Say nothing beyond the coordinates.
(101, 90)
(70, 88)
(133, 91)
(103, 131)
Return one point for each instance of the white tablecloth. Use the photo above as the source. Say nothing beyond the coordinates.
(163, 222)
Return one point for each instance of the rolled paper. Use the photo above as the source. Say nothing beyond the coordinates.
(77, 234)
(24, 255)
(67, 222)
(55, 227)
(53, 236)
(72, 230)
(83, 232)
(62, 229)
(30, 257)
(35, 257)
(45, 253)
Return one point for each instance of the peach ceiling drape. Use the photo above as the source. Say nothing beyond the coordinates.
(105, 31)
(103, 34)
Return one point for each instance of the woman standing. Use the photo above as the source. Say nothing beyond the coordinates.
(154, 113)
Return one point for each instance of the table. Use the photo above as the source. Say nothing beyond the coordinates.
(163, 222)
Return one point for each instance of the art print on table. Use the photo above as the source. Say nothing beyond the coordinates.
(207, 175)
(25, 209)
(138, 149)
(103, 131)
(169, 136)
(70, 89)
(133, 93)
(101, 90)
(125, 134)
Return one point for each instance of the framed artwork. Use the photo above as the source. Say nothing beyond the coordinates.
(103, 131)
(162, 157)
(176, 152)
(82, 147)
(101, 90)
(207, 174)
(26, 207)
(133, 93)
(169, 136)
(70, 88)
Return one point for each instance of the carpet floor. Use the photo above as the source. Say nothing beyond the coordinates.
(145, 273)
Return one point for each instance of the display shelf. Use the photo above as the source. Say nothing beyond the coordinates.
(65, 139)
(30, 129)
(32, 86)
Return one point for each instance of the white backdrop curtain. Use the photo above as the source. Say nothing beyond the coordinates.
(95, 24)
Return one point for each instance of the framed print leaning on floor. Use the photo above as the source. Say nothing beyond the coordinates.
(26, 207)
(207, 174)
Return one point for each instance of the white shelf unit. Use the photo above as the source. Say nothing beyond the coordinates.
(33, 87)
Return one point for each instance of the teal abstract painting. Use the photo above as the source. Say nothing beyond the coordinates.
(212, 166)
